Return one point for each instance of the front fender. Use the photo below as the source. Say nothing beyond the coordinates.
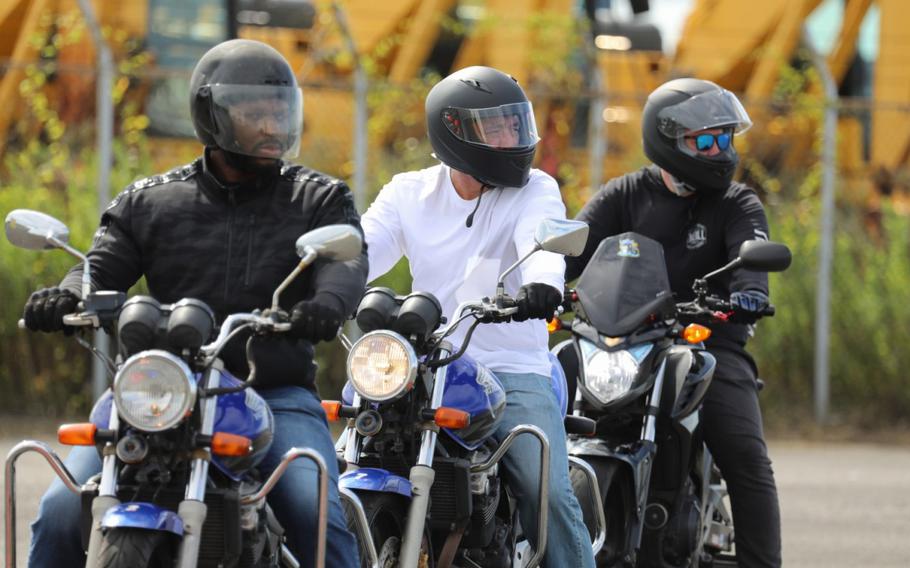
(639, 460)
(375, 479)
(142, 516)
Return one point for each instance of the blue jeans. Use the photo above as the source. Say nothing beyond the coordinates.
(299, 421)
(530, 400)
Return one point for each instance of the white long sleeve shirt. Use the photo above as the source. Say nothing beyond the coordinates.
(419, 215)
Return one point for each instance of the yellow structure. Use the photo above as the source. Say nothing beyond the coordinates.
(740, 44)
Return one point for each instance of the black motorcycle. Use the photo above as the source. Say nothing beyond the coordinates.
(642, 373)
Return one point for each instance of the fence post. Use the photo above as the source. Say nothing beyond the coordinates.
(822, 384)
(105, 125)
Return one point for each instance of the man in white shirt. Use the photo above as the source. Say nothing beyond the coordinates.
(463, 222)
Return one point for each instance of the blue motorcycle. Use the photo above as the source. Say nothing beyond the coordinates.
(430, 499)
(172, 411)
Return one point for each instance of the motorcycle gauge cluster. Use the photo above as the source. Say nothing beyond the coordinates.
(144, 323)
(416, 315)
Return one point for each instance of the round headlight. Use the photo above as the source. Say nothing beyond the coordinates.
(610, 374)
(382, 365)
(154, 391)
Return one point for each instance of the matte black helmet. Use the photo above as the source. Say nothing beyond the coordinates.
(244, 99)
(683, 106)
(480, 122)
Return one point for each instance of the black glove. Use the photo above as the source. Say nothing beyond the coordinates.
(317, 319)
(748, 305)
(536, 301)
(45, 309)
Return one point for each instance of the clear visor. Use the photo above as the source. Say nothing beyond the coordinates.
(715, 109)
(504, 127)
(262, 121)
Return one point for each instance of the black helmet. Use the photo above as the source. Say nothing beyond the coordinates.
(679, 107)
(480, 122)
(241, 82)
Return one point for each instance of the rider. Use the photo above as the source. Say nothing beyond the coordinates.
(688, 202)
(460, 224)
(222, 229)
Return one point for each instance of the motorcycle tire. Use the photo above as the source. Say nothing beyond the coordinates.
(135, 548)
(612, 493)
(386, 514)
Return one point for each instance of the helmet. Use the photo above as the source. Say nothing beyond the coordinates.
(480, 122)
(245, 100)
(679, 107)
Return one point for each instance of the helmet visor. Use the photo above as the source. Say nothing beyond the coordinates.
(263, 121)
(509, 126)
(714, 109)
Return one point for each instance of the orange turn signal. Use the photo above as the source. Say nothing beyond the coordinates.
(231, 445)
(695, 333)
(554, 325)
(332, 409)
(451, 418)
(77, 434)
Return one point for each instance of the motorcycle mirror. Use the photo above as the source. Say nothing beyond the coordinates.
(765, 256)
(334, 242)
(34, 230)
(562, 236)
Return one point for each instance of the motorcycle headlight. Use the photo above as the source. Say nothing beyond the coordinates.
(610, 374)
(382, 366)
(154, 391)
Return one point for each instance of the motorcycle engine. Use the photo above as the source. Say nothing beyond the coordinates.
(681, 535)
(485, 492)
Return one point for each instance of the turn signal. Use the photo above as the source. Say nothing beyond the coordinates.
(695, 333)
(332, 409)
(231, 445)
(554, 325)
(77, 434)
(451, 418)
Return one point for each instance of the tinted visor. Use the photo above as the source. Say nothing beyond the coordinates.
(262, 121)
(503, 127)
(714, 109)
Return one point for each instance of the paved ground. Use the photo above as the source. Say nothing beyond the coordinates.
(843, 505)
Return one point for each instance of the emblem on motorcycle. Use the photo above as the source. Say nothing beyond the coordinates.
(628, 248)
(697, 236)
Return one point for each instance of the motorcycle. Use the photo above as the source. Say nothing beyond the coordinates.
(430, 499)
(642, 375)
(172, 411)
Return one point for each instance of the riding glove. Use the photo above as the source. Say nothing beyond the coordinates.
(317, 319)
(45, 309)
(536, 301)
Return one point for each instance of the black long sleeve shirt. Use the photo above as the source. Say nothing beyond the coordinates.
(699, 234)
(230, 246)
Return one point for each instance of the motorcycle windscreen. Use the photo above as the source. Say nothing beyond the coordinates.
(625, 285)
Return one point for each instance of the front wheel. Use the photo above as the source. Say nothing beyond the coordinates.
(135, 548)
(617, 503)
(386, 514)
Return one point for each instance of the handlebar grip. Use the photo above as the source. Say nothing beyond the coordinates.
(768, 311)
(21, 324)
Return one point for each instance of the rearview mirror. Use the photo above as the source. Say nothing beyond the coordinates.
(34, 230)
(765, 256)
(562, 236)
(334, 242)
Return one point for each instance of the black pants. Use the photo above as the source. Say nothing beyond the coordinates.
(732, 426)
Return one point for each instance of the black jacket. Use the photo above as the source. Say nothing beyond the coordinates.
(699, 234)
(230, 246)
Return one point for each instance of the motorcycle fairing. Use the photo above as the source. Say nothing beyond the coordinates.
(375, 479)
(142, 516)
(693, 377)
(558, 382)
(472, 387)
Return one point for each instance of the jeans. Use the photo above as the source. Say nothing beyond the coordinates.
(299, 421)
(732, 425)
(530, 400)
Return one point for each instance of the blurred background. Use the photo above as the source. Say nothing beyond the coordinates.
(93, 95)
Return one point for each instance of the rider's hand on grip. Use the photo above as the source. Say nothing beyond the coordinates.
(536, 301)
(45, 309)
(317, 319)
(748, 305)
